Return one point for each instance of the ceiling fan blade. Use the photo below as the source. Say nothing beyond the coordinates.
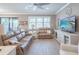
(41, 7)
(41, 4)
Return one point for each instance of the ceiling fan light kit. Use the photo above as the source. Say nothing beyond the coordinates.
(36, 6)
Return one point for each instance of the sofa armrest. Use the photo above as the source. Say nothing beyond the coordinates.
(7, 42)
(70, 48)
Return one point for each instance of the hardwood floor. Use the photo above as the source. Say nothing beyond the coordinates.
(43, 47)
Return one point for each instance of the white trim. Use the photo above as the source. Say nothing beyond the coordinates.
(62, 8)
(24, 14)
(15, 13)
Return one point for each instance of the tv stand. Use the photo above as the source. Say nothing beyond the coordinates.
(66, 37)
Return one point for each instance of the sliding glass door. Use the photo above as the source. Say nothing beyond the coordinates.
(5, 22)
(10, 23)
(15, 23)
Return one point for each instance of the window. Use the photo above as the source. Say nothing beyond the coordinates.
(32, 22)
(36, 22)
(39, 22)
(5, 22)
(47, 22)
(10, 23)
(15, 23)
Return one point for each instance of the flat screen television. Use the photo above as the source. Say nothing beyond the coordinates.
(68, 24)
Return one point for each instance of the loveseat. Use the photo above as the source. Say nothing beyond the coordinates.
(19, 38)
(44, 33)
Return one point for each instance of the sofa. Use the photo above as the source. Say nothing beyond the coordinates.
(44, 33)
(19, 38)
(66, 49)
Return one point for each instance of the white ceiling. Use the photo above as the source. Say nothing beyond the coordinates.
(24, 8)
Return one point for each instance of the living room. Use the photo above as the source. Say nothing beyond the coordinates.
(39, 28)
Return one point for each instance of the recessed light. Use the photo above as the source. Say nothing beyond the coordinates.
(26, 7)
(46, 8)
(34, 8)
(2, 10)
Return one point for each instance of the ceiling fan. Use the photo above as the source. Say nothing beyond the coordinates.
(39, 6)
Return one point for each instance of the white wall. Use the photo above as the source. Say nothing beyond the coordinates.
(75, 11)
(53, 21)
